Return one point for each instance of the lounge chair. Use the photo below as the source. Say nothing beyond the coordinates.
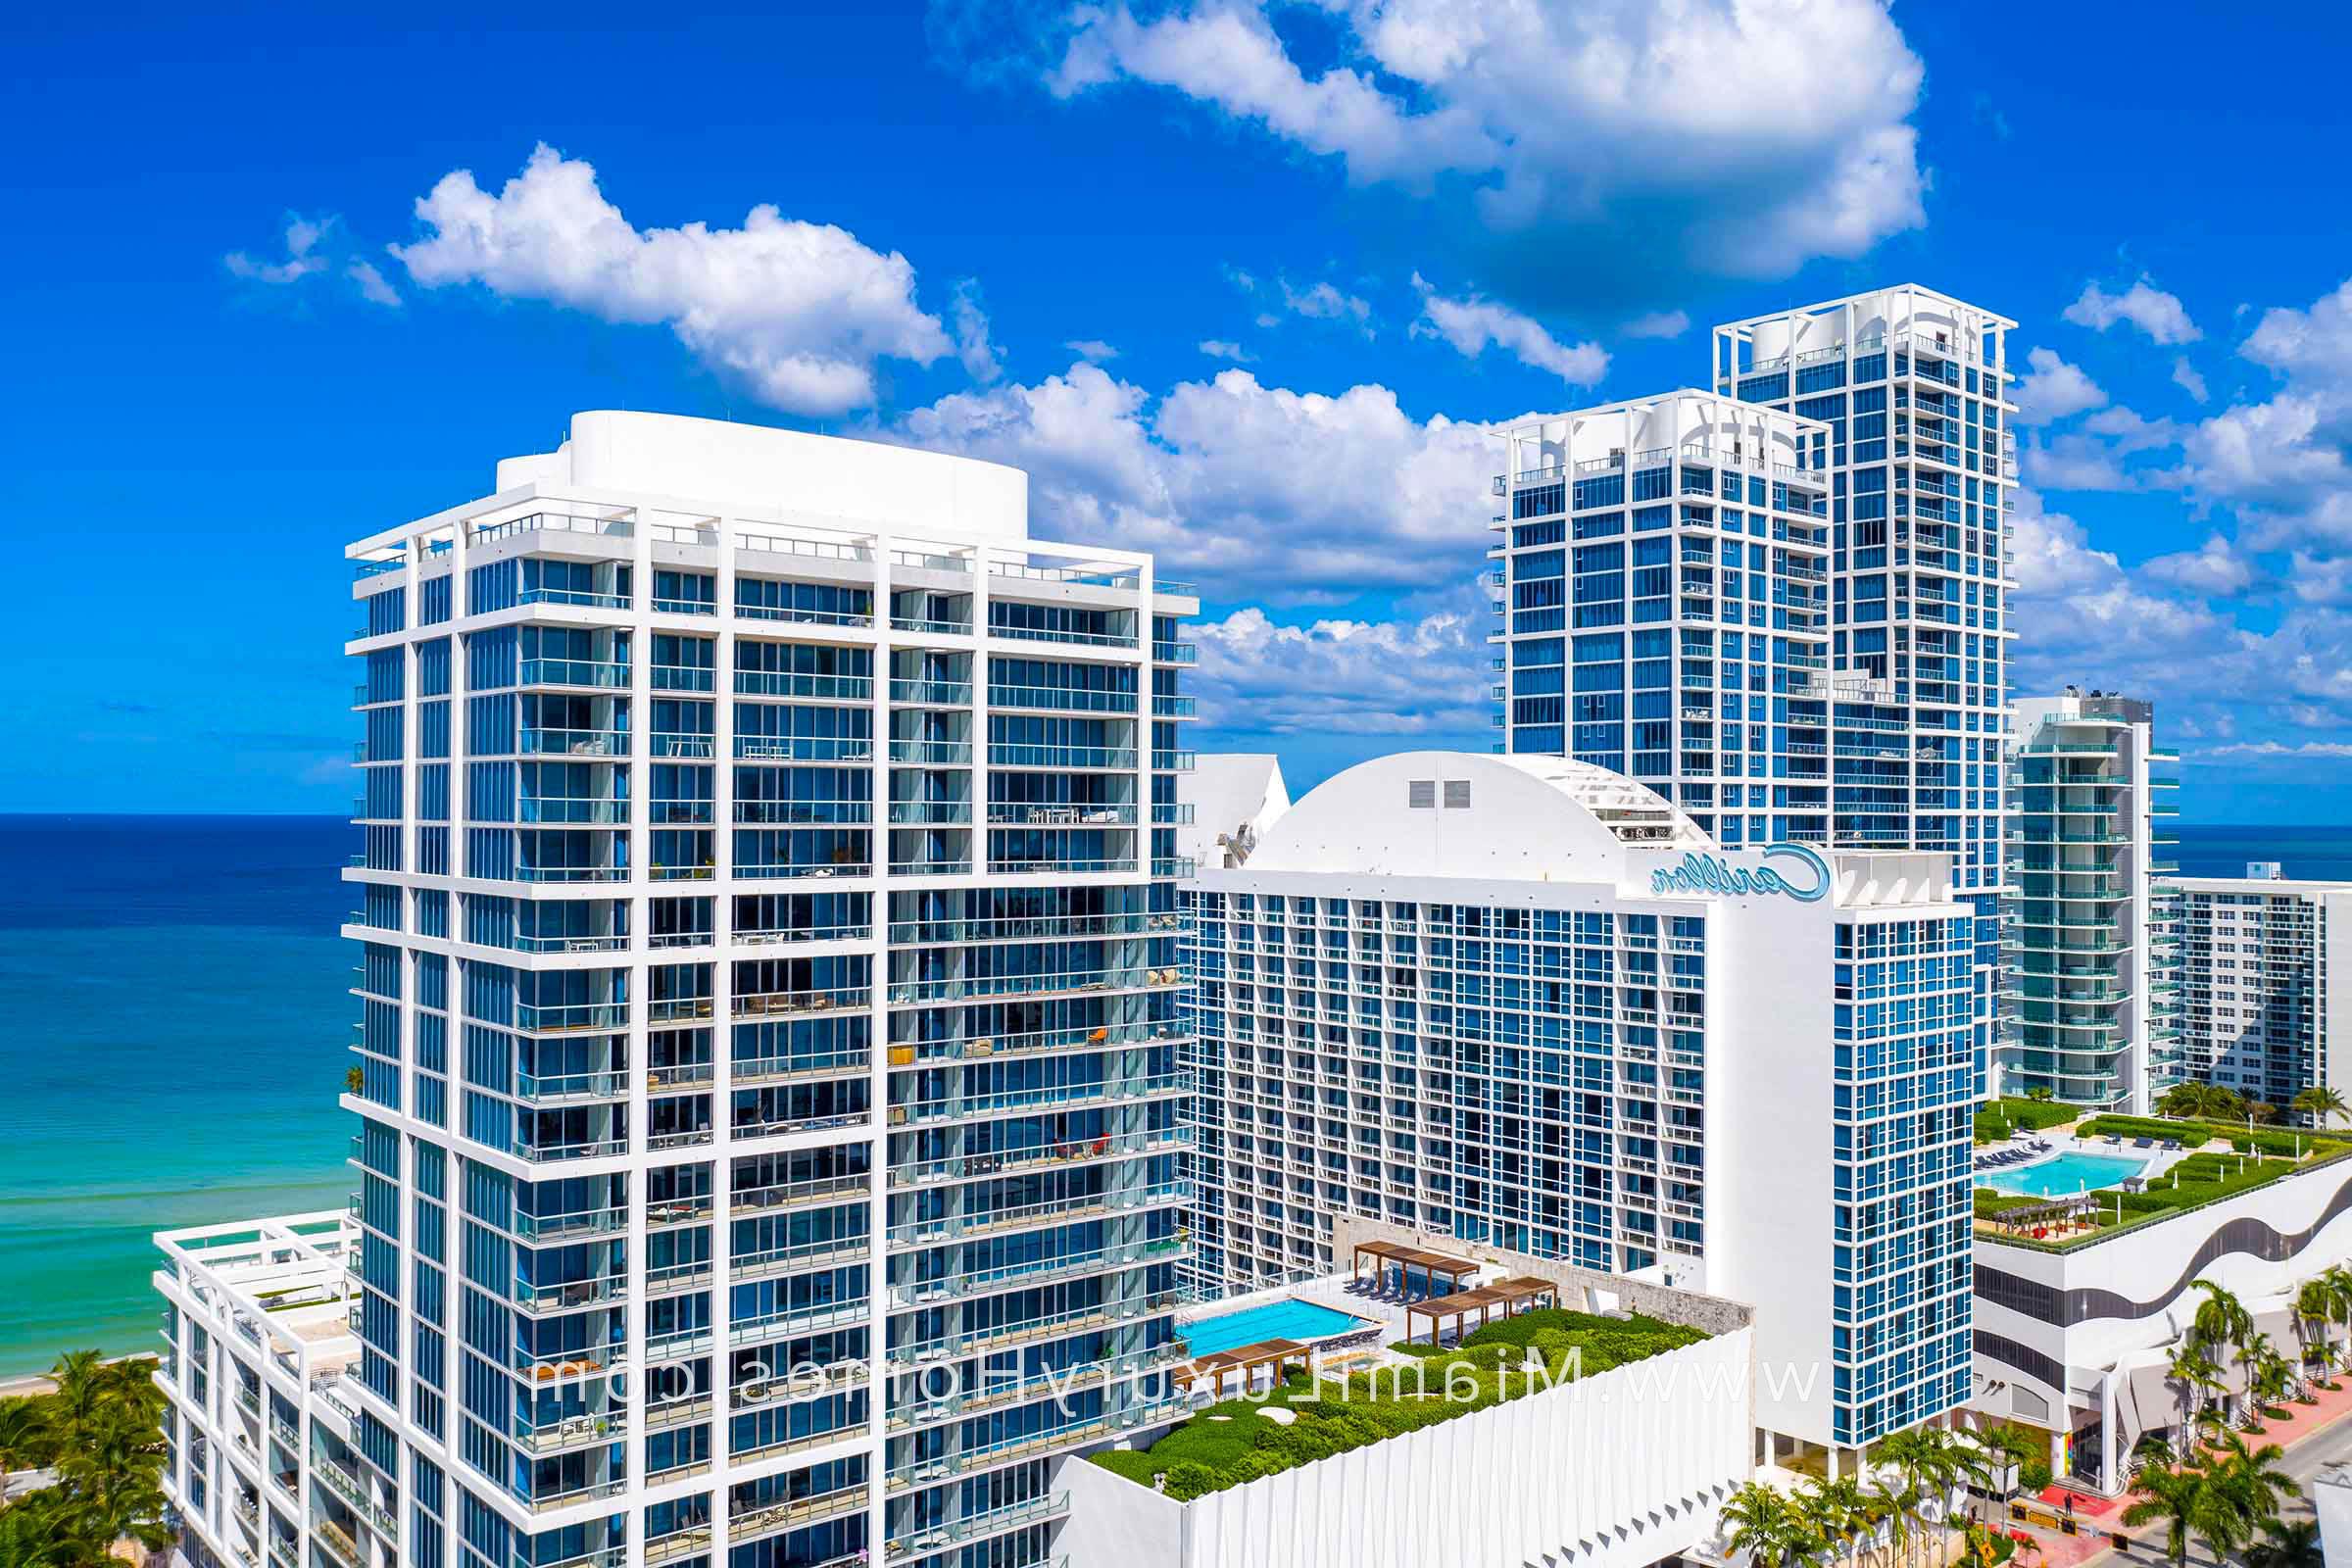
(2143, 1142)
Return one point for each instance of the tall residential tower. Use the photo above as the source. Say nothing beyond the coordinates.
(2092, 984)
(766, 1059)
(1783, 601)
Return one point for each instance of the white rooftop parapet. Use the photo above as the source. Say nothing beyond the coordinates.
(758, 465)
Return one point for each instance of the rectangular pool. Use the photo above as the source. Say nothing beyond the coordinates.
(1293, 1319)
(2065, 1176)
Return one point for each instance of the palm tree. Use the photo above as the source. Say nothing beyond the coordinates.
(37, 1533)
(2181, 1101)
(2323, 1104)
(2175, 1495)
(2268, 1374)
(1925, 1459)
(2196, 1375)
(23, 1438)
(2339, 1278)
(2218, 1104)
(2250, 1484)
(2008, 1448)
(1839, 1512)
(2289, 1546)
(2315, 1310)
(1759, 1521)
(1890, 1504)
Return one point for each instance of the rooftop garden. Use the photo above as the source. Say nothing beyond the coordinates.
(2255, 1158)
(1234, 1441)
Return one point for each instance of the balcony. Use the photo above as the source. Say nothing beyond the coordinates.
(575, 742)
(777, 1004)
(784, 683)
(566, 1017)
(601, 675)
(806, 748)
(1020, 755)
(932, 754)
(931, 693)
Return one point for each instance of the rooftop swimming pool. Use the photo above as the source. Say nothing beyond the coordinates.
(1293, 1319)
(2063, 1177)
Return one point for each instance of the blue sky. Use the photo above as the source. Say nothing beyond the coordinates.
(1237, 284)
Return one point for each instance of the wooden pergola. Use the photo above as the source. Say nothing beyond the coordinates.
(1246, 1359)
(1509, 1294)
(2037, 1221)
(1431, 1264)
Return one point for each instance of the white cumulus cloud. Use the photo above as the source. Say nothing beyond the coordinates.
(2143, 305)
(1470, 324)
(1260, 493)
(1618, 122)
(2051, 389)
(800, 312)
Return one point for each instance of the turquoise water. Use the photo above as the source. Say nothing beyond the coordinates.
(1302, 1321)
(2063, 1177)
(176, 1021)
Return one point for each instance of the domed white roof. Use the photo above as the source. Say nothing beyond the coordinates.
(1460, 814)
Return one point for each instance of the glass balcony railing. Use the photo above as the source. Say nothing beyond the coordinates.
(1028, 756)
(804, 748)
(937, 754)
(557, 1017)
(575, 742)
(782, 683)
(932, 693)
(604, 674)
(1061, 699)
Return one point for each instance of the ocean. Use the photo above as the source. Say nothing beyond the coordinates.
(177, 1009)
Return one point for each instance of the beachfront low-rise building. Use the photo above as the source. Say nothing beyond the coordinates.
(1524, 1002)
(2260, 955)
(265, 1457)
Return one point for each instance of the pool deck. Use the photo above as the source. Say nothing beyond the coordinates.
(2061, 1140)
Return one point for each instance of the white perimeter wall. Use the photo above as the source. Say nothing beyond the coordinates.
(1612, 1471)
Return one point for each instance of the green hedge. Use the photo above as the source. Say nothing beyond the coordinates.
(2269, 1140)
(1206, 1454)
(1997, 1119)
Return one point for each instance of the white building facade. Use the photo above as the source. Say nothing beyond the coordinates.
(767, 1059)
(1525, 1002)
(2091, 980)
(2260, 1009)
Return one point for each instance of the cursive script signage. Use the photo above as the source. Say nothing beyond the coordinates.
(1711, 873)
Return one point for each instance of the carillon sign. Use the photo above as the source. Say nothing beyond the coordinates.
(1711, 873)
